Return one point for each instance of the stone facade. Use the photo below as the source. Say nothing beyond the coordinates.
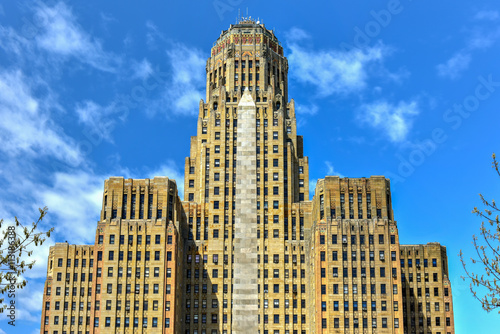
(247, 251)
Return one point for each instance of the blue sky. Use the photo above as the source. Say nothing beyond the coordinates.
(406, 89)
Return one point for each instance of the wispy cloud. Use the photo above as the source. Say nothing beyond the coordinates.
(454, 66)
(99, 120)
(330, 170)
(303, 111)
(185, 86)
(490, 15)
(395, 120)
(74, 201)
(142, 69)
(309, 109)
(153, 35)
(331, 71)
(26, 126)
(60, 34)
(481, 37)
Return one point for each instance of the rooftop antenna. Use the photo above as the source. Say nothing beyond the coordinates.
(239, 15)
(247, 13)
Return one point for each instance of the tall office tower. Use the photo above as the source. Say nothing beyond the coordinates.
(247, 251)
(247, 57)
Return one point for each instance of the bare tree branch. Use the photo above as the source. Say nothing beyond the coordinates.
(17, 242)
(488, 255)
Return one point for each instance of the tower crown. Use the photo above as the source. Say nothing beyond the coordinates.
(247, 32)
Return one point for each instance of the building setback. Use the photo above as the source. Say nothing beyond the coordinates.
(247, 251)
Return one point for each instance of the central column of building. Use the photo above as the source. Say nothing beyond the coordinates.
(245, 293)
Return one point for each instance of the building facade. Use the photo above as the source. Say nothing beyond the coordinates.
(247, 251)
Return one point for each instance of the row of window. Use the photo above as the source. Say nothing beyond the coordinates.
(76, 263)
(215, 273)
(145, 306)
(362, 257)
(427, 292)
(354, 272)
(137, 272)
(364, 306)
(356, 324)
(275, 319)
(109, 289)
(137, 290)
(354, 238)
(417, 263)
(373, 289)
(138, 255)
(130, 241)
(266, 303)
(276, 288)
(435, 277)
(428, 307)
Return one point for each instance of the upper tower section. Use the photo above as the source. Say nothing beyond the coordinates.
(246, 55)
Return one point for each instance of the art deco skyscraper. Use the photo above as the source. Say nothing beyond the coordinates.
(247, 251)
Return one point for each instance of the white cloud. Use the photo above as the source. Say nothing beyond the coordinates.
(74, 200)
(152, 35)
(490, 15)
(99, 120)
(481, 37)
(186, 89)
(295, 34)
(12, 42)
(331, 170)
(454, 66)
(142, 69)
(185, 86)
(331, 71)
(395, 120)
(60, 34)
(311, 109)
(30, 300)
(26, 126)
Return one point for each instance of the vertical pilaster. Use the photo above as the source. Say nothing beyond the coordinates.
(245, 292)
